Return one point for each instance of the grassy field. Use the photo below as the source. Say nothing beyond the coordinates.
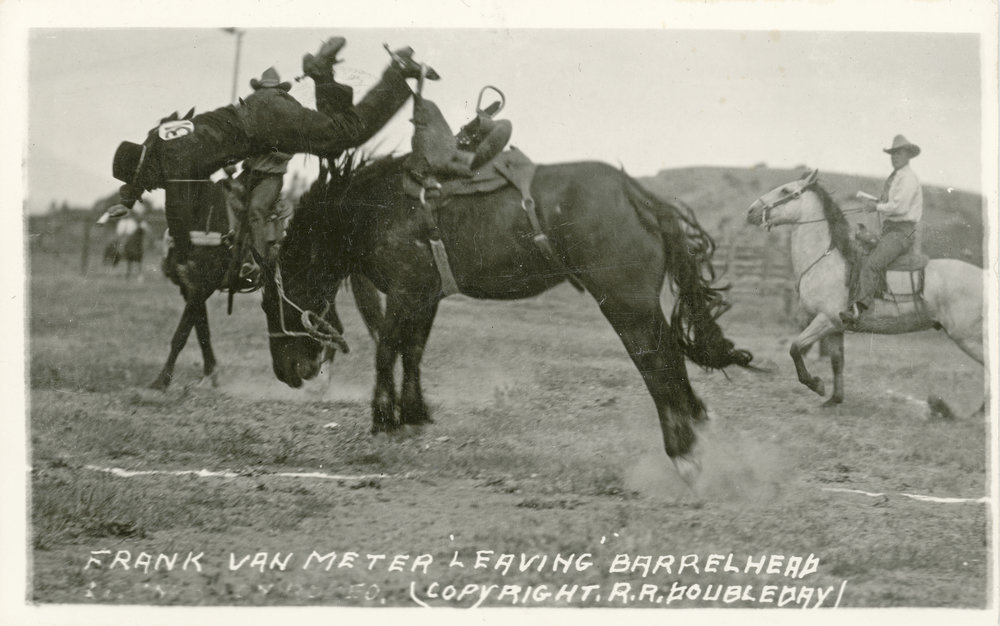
(543, 481)
(545, 446)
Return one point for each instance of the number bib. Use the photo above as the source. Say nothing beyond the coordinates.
(175, 129)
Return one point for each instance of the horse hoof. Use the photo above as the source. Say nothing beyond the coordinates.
(689, 466)
(818, 386)
(417, 418)
(379, 428)
(160, 385)
(832, 402)
(209, 380)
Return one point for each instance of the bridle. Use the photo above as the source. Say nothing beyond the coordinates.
(316, 327)
(795, 195)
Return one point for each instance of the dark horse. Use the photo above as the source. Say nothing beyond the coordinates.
(213, 263)
(618, 239)
(214, 272)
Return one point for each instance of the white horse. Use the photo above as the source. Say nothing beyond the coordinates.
(820, 246)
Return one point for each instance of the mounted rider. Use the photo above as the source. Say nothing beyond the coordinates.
(264, 174)
(901, 208)
(180, 154)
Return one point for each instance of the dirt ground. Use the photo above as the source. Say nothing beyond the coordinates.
(542, 482)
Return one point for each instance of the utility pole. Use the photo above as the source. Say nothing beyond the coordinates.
(236, 65)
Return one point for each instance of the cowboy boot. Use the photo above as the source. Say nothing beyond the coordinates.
(402, 60)
(320, 67)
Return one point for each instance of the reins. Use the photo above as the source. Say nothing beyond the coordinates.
(795, 195)
(798, 283)
(785, 200)
(317, 328)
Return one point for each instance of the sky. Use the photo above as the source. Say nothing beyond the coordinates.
(638, 93)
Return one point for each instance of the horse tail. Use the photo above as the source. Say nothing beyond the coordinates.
(699, 304)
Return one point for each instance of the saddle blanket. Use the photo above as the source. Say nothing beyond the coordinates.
(484, 180)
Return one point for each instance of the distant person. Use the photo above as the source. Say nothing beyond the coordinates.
(180, 154)
(901, 208)
(130, 234)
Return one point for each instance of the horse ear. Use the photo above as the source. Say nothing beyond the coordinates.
(190, 114)
(811, 177)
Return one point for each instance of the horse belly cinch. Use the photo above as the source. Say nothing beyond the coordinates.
(508, 169)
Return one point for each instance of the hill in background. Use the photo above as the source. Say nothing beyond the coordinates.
(952, 226)
(952, 223)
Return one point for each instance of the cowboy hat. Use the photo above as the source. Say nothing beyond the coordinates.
(900, 142)
(269, 78)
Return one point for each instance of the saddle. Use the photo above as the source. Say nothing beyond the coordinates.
(911, 263)
(443, 165)
(439, 154)
(225, 194)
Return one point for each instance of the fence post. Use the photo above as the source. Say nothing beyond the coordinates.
(85, 253)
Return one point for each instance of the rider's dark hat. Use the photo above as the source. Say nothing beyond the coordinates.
(127, 161)
(899, 143)
(270, 78)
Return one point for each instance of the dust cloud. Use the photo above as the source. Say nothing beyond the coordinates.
(735, 468)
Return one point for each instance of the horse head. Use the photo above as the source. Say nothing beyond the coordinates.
(299, 288)
(784, 204)
(304, 329)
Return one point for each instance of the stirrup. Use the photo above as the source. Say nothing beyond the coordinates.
(495, 107)
(852, 315)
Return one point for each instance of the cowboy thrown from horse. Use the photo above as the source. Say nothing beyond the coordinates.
(900, 207)
(180, 154)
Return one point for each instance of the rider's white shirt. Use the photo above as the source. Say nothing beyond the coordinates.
(126, 226)
(905, 200)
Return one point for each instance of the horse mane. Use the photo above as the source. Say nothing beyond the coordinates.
(323, 226)
(840, 229)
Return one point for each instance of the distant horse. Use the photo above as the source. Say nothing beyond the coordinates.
(619, 240)
(129, 244)
(132, 245)
(112, 254)
(821, 249)
(214, 270)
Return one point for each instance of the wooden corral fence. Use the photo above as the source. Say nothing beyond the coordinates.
(755, 263)
(71, 235)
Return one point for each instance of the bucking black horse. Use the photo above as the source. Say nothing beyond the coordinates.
(611, 235)
(215, 232)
